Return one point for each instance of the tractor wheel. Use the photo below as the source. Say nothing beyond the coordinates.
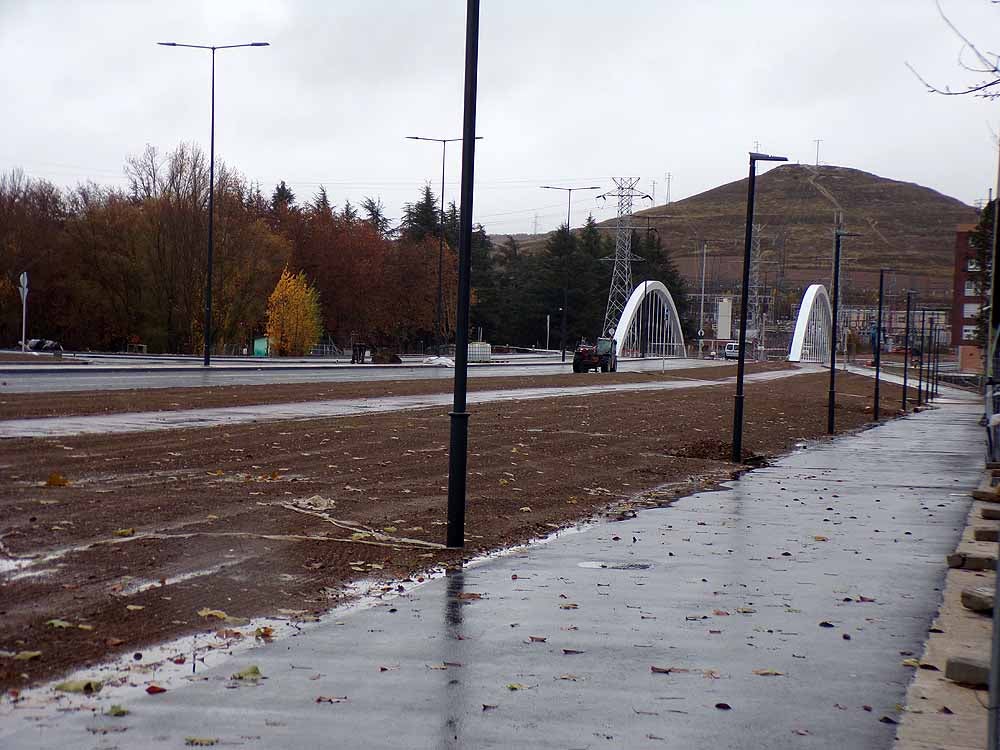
(604, 366)
(577, 368)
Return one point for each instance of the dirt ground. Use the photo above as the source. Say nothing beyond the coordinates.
(131, 535)
(74, 403)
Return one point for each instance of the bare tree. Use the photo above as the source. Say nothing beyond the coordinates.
(986, 66)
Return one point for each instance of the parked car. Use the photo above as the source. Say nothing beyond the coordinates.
(43, 345)
(732, 350)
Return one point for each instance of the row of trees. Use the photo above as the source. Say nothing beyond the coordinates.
(111, 267)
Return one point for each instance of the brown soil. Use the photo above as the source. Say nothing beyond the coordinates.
(74, 403)
(212, 499)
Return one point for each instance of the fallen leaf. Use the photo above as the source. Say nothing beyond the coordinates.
(516, 686)
(124, 532)
(571, 651)
(826, 624)
(155, 690)
(134, 607)
(929, 667)
(331, 699)
(723, 706)
(56, 480)
(85, 627)
(668, 670)
(251, 673)
(802, 732)
(112, 642)
(59, 624)
(866, 599)
(820, 538)
(200, 741)
(216, 613)
(489, 706)
(117, 710)
(888, 720)
(264, 633)
(945, 710)
(746, 610)
(525, 509)
(911, 663)
(86, 687)
(27, 655)
(569, 605)
(768, 673)
(569, 677)
(720, 613)
(537, 639)
(468, 596)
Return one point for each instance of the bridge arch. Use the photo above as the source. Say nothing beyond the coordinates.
(649, 325)
(813, 328)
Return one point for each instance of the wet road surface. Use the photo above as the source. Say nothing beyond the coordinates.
(750, 597)
(106, 424)
(96, 378)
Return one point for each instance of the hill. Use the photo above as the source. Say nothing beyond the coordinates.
(903, 226)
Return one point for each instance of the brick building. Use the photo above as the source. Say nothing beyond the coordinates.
(965, 298)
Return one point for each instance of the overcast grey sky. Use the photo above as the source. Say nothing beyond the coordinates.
(570, 92)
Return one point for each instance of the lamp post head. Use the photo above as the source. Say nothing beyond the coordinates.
(260, 44)
(167, 44)
(754, 156)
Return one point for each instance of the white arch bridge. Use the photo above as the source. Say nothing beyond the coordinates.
(813, 328)
(649, 325)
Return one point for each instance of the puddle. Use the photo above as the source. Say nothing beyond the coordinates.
(614, 566)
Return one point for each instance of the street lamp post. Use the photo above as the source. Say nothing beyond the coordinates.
(906, 348)
(439, 312)
(831, 423)
(459, 434)
(569, 204)
(211, 188)
(878, 343)
(921, 390)
(22, 288)
(741, 362)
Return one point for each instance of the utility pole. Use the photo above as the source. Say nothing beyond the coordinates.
(817, 141)
(654, 192)
(668, 178)
(878, 343)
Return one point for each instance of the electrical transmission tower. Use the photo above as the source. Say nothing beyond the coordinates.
(621, 274)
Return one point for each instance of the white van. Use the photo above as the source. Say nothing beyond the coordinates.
(732, 350)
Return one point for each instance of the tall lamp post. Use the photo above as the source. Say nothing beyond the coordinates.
(439, 312)
(741, 365)
(877, 342)
(211, 188)
(459, 435)
(569, 204)
(906, 348)
(831, 405)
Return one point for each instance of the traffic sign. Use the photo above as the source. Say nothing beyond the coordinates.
(701, 333)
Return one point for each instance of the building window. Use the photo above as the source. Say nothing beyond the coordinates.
(970, 310)
(969, 333)
(970, 288)
(972, 264)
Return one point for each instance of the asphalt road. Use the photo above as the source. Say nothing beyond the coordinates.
(95, 377)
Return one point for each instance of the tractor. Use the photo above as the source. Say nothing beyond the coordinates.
(600, 356)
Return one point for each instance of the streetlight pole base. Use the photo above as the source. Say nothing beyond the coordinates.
(457, 462)
(738, 429)
(830, 412)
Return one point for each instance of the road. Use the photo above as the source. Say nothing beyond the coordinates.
(96, 377)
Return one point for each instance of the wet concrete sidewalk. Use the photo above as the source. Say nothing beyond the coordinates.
(791, 597)
(151, 421)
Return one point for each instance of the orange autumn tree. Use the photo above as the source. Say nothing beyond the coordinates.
(294, 325)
